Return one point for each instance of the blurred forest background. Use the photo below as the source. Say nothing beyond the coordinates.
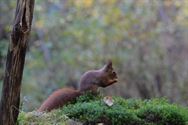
(147, 40)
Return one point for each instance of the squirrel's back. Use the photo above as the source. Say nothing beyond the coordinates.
(59, 98)
(103, 77)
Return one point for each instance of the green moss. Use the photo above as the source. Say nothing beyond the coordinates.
(35, 118)
(91, 109)
(130, 111)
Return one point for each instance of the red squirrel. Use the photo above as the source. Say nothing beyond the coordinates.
(90, 81)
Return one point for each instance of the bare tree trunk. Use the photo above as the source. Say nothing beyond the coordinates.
(10, 100)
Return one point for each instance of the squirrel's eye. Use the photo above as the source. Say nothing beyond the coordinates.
(114, 74)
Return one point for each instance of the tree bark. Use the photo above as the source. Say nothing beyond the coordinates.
(10, 100)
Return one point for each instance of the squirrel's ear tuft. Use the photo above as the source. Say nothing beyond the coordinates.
(108, 66)
(109, 63)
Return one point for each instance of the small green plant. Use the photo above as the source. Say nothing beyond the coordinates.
(89, 96)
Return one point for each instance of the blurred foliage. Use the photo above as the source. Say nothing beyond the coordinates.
(145, 39)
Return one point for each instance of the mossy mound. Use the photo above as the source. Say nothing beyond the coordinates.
(89, 109)
(35, 118)
(92, 109)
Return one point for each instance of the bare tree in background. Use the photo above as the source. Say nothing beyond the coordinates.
(10, 100)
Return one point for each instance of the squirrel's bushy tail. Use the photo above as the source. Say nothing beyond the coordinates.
(59, 98)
